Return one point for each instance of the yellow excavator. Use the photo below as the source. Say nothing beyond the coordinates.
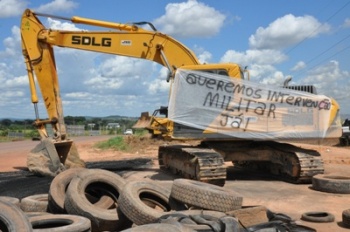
(233, 118)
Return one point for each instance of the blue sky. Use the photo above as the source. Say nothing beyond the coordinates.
(308, 40)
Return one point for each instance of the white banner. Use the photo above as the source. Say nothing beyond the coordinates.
(246, 109)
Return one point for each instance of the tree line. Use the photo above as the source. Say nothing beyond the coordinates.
(100, 123)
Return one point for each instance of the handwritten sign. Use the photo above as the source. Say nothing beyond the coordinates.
(245, 109)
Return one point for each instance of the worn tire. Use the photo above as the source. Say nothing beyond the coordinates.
(35, 203)
(346, 218)
(60, 223)
(12, 200)
(12, 218)
(331, 183)
(205, 196)
(58, 186)
(77, 203)
(317, 217)
(132, 205)
(34, 214)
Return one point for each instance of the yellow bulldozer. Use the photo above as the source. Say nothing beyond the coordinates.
(234, 119)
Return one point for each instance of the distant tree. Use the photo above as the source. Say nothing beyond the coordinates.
(6, 122)
(28, 121)
(18, 122)
(69, 120)
(72, 120)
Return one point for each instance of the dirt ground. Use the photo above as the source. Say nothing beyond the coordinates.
(256, 188)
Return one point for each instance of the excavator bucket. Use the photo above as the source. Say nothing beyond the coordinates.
(143, 122)
(49, 158)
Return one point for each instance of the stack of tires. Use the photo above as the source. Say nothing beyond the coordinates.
(82, 199)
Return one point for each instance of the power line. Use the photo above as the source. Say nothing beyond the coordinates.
(308, 36)
(317, 56)
(312, 67)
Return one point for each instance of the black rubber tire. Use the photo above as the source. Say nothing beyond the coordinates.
(35, 203)
(60, 223)
(346, 218)
(331, 183)
(140, 212)
(77, 203)
(201, 220)
(205, 196)
(58, 187)
(12, 200)
(12, 218)
(317, 217)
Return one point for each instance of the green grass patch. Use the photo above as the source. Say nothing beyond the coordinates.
(116, 143)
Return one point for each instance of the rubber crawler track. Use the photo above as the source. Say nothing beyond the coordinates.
(201, 164)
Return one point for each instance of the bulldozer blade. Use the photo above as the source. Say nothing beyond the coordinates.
(48, 158)
(143, 122)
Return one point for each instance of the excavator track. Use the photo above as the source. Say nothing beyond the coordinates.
(206, 162)
(285, 161)
(202, 164)
(309, 166)
(298, 168)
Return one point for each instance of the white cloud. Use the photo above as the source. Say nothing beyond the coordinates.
(12, 44)
(104, 83)
(12, 8)
(121, 66)
(326, 77)
(299, 66)
(12, 94)
(16, 82)
(157, 86)
(190, 19)
(4, 71)
(58, 25)
(130, 76)
(266, 74)
(346, 23)
(286, 31)
(331, 81)
(262, 57)
(81, 95)
(204, 57)
(57, 5)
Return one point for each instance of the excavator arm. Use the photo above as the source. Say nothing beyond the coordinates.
(124, 39)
